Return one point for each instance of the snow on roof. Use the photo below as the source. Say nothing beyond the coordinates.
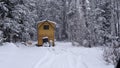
(44, 37)
(47, 20)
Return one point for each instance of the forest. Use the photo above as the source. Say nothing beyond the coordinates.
(88, 23)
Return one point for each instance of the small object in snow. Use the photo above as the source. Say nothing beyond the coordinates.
(51, 43)
(46, 44)
(28, 43)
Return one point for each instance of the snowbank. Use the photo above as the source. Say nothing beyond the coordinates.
(9, 45)
(63, 55)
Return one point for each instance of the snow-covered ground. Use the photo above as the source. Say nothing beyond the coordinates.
(63, 55)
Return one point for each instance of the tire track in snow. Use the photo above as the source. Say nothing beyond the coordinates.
(40, 61)
(46, 60)
(58, 51)
(50, 57)
(84, 64)
(76, 60)
(73, 60)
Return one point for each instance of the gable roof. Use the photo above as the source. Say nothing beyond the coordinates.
(46, 21)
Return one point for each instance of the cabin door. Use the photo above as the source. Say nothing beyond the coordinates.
(45, 40)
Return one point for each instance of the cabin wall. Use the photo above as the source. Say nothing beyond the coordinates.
(43, 33)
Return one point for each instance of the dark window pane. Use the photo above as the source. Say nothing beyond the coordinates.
(46, 27)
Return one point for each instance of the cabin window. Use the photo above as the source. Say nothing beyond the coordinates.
(46, 27)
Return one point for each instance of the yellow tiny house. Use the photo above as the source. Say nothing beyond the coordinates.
(46, 32)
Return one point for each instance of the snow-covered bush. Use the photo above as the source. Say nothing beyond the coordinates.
(1, 37)
(112, 52)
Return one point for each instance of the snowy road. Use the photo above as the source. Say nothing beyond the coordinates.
(62, 56)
